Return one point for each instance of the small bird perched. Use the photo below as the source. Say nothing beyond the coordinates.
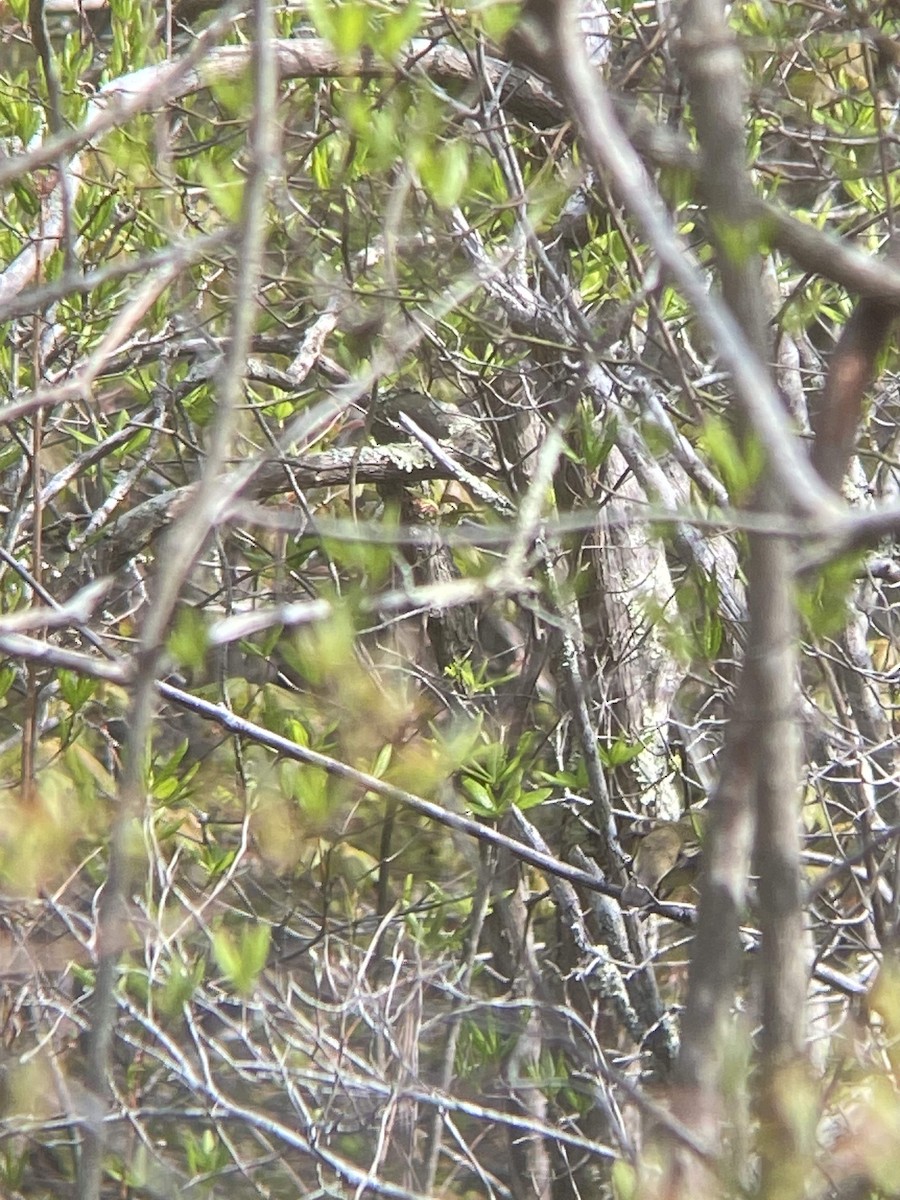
(666, 856)
(462, 434)
(658, 853)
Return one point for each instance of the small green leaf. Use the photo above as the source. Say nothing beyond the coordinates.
(482, 801)
(739, 465)
(620, 752)
(823, 601)
(76, 690)
(624, 1180)
(739, 240)
(498, 19)
(242, 958)
(383, 761)
(533, 798)
(444, 172)
(398, 28)
(345, 25)
(188, 640)
(224, 186)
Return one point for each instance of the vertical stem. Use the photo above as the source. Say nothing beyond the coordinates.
(30, 724)
(785, 1142)
(179, 553)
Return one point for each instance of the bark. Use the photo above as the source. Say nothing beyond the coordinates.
(641, 676)
(766, 717)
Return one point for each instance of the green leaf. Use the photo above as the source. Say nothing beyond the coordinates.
(533, 798)
(234, 95)
(482, 801)
(739, 465)
(383, 761)
(188, 641)
(76, 690)
(10, 454)
(242, 958)
(620, 752)
(498, 19)
(444, 172)
(624, 1180)
(224, 186)
(824, 600)
(351, 26)
(308, 785)
(320, 166)
(180, 985)
(739, 240)
(346, 25)
(397, 28)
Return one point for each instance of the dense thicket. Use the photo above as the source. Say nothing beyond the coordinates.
(448, 479)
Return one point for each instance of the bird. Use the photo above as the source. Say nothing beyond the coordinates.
(666, 857)
(462, 433)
